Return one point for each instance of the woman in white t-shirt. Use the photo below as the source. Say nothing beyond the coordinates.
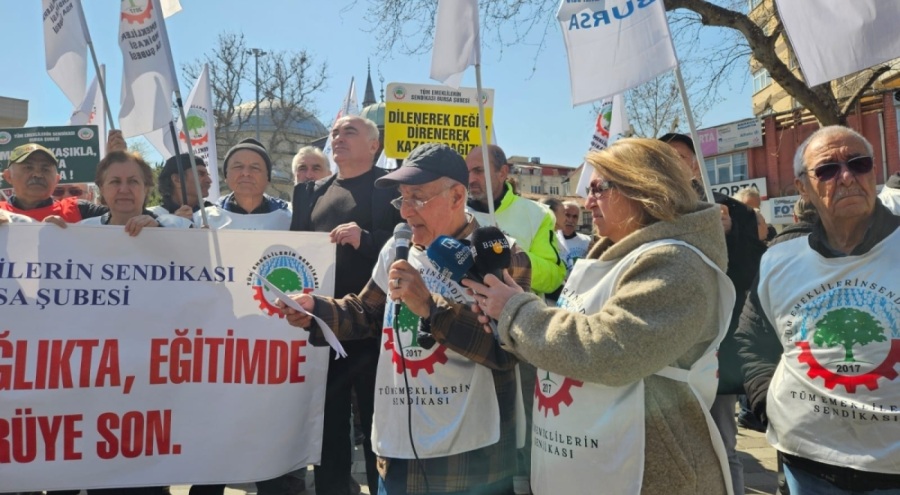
(125, 180)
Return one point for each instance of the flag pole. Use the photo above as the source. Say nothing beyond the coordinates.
(178, 164)
(698, 149)
(165, 42)
(101, 77)
(482, 128)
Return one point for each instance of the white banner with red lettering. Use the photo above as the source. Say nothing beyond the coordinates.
(157, 359)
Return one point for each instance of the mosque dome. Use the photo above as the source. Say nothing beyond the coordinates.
(375, 113)
(306, 125)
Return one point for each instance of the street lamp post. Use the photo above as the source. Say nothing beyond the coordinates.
(256, 52)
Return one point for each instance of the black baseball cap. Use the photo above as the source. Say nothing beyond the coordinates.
(427, 162)
(674, 137)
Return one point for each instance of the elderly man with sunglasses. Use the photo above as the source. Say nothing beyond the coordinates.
(33, 175)
(820, 332)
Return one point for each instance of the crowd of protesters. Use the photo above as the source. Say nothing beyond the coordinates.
(637, 340)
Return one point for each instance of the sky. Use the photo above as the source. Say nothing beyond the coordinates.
(533, 114)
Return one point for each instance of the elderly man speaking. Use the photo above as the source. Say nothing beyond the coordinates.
(820, 333)
(444, 397)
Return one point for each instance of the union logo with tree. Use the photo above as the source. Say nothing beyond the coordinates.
(848, 338)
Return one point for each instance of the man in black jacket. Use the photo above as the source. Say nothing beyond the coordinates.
(360, 219)
(819, 335)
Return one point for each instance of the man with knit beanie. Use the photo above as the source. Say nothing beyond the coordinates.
(247, 170)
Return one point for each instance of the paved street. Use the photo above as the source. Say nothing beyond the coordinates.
(758, 457)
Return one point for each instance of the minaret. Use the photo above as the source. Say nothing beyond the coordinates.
(369, 98)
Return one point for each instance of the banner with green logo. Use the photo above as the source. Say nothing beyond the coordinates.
(76, 147)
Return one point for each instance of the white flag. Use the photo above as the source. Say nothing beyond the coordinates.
(65, 47)
(385, 162)
(457, 44)
(200, 129)
(92, 111)
(832, 38)
(612, 123)
(170, 7)
(348, 107)
(614, 45)
(148, 78)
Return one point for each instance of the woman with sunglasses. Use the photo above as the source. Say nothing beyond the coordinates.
(626, 363)
(125, 180)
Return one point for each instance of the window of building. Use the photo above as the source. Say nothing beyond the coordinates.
(793, 63)
(536, 189)
(727, 168)
(554, 190)
(586, 218)
(761, 80)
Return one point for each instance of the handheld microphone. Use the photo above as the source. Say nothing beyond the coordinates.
(492, 253)
(492, 256)
(402, 240)
(450, 257)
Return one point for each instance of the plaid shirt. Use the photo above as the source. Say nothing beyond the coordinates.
(455, 326)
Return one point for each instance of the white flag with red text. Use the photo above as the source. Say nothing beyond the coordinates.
(612, 123)
(65, 46)
(833, 39)
(148, 78)
(615, 45)
(200, 129)
(92, 111)
(457, 43)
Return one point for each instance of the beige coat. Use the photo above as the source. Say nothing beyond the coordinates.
(663, 312)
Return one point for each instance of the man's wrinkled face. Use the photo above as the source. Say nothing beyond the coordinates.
(310, 169)
(477, 182)
(34, 179)
(428, 209)
(571, 223)
(351, 143)
(247, 173)
(846, 195)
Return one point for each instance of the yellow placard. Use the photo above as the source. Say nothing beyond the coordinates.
(416, 114)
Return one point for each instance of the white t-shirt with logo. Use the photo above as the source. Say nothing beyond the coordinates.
(835, 395)
(454, 400)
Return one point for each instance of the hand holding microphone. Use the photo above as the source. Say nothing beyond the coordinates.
(488, 279)
(404, 282)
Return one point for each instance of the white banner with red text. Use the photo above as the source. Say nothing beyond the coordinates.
(158, 359)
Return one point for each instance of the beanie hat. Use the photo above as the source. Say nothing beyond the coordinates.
(249, 144)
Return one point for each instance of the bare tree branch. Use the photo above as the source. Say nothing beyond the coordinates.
(289, 83)
(407, 27)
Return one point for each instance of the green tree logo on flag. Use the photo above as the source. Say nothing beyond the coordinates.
(847, 327)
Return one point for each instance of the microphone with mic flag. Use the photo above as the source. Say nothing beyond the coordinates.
(450, 257)
(492, 253)
(492, 256)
